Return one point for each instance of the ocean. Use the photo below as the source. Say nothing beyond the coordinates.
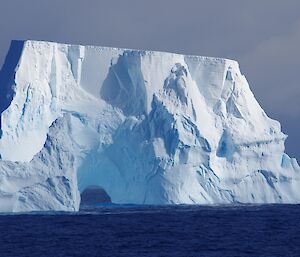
(130, 230)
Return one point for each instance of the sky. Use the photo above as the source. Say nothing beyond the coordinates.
(262, 35)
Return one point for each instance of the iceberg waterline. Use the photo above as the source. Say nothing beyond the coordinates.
(147, 127)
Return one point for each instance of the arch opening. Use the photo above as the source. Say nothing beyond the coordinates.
(93, 195)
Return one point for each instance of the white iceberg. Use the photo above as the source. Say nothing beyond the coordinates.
(147, 127)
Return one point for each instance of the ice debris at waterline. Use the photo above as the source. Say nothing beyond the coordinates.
(147, 127)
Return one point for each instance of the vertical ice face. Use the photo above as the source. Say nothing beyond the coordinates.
(147, 127)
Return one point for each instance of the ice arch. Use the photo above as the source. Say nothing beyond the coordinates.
(94, 195)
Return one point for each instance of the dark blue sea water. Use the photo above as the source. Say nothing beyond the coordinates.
(262, 230)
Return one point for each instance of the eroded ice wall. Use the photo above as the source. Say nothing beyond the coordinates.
(147, 127)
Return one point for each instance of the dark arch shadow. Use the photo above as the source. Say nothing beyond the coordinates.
(7, 74)
(93, 195)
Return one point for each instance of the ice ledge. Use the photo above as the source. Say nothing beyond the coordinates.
(142, 51)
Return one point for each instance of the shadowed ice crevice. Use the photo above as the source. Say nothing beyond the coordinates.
(7, 74)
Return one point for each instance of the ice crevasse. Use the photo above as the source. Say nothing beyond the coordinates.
(148, 127)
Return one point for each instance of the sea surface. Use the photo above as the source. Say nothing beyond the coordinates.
(129, 230)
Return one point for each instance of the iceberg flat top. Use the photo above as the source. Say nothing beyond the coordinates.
(125, 49)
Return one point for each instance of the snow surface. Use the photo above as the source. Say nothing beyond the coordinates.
(147, 127)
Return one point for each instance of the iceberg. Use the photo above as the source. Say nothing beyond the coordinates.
(147, 127)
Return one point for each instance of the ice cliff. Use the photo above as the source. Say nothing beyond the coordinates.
(148, 127)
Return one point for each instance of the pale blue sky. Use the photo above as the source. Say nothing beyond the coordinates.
(263, 35)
